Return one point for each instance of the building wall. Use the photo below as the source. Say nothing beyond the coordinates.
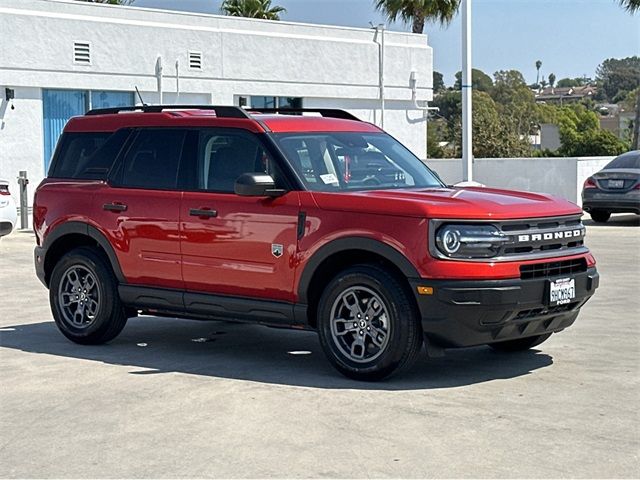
(563, 177)
(21, 137)
(327, 66)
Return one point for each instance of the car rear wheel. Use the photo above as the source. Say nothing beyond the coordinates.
(600, 216)
(519, 344)
(368, 325)
(84, 298)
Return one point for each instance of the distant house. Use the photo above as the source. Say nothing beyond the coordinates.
(565, 94)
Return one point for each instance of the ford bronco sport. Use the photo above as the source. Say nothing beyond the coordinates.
(318, 222)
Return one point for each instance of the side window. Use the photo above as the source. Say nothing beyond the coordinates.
(87, 155)
(153, 160)
(223, 156)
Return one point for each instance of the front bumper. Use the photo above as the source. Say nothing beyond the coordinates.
(463, 313)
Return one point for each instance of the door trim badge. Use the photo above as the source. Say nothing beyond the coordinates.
(277, 250)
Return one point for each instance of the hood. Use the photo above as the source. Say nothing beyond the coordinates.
(462, 203)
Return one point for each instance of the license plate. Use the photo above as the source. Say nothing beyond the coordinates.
(562, 291)
(616, 184)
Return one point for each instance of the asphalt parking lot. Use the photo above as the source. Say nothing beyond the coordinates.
(176, 399)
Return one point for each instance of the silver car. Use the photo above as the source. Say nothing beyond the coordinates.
(7, 209)
(614, 189)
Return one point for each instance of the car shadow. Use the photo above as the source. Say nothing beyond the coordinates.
(154, 346)
(616, 220)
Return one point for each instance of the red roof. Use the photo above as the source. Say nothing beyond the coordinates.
(206, 118)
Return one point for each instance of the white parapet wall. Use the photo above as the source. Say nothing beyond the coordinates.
(560, 176)
(43, 43)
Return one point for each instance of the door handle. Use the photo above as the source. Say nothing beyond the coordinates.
(114, 207)
(203, 212)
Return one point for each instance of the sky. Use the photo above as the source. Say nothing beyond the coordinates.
(570, 37)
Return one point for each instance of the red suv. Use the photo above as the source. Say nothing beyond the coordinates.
(319, 222)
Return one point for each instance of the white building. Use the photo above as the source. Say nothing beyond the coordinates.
(60, 58)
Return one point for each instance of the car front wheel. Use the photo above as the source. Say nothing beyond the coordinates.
(84, 298)
(368, 325)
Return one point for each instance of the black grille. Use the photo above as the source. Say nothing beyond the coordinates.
(553, 269)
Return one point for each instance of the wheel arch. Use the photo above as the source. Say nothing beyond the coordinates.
(70, 235)
(342, 253)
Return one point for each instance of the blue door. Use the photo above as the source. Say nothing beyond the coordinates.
(58, 107)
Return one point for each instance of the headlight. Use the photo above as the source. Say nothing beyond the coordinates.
(469, 241)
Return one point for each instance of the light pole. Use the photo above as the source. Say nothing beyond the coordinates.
(467, 90)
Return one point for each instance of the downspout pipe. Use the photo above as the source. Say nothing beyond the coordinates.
(413, 84)
(159, 78)
(379, 39)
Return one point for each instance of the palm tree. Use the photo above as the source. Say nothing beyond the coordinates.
(417, 12)
(252, 9)
(538, 65)
(632, 6)
(552, 79)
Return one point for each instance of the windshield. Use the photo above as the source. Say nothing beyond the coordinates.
(338, 161)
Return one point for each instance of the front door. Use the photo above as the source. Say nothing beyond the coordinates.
(234, 245)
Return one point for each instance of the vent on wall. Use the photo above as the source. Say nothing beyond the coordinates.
(82, 53)
(195, 60)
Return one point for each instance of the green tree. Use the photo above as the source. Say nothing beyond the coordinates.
(418, 12)
(619, 76)
(515, 101)
(573, 82)
(480, 81)
(438, 82)
(493, 133)
(252, 9)
(632, 6)
(538, 67)
(552, 79)
(581, 135)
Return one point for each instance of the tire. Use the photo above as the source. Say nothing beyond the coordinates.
(101, 316)
(519, 344)
(600, 216)
(385, 338)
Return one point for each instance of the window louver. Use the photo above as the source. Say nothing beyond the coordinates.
(82, 53)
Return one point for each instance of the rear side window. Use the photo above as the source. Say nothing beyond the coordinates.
(88, 156)
(152, 161)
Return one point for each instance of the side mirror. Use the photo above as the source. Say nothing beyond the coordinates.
(257, 185)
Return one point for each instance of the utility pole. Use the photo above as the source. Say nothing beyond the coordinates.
(467, 89)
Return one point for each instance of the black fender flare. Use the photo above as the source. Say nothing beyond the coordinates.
(377, 247)
(88, 231)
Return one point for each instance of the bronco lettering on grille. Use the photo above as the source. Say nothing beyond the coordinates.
(538, 237)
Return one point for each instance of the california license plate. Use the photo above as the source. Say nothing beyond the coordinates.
(615, 184)
(562, 291)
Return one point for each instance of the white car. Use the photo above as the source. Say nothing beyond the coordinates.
(8, 212)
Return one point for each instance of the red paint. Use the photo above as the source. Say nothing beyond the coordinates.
(159, 243)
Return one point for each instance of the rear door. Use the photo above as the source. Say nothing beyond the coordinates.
(140, 206)
(235, 245)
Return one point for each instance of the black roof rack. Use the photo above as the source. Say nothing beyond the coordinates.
(222, 111)
(325, 112)
(225, 111)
